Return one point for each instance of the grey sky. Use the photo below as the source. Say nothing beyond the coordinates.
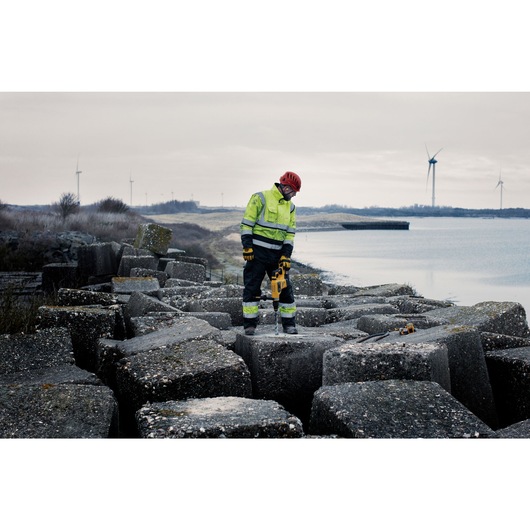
(350, 148)
(215, 100)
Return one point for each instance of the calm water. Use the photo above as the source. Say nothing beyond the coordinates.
(463, 260)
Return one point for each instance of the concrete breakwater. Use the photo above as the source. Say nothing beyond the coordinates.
(142, 344)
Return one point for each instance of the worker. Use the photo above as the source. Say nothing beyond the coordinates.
(267, 235)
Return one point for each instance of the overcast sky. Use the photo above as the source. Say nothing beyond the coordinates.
(355, 149)
(211, 102)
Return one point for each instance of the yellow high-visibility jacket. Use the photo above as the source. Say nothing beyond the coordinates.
(269, 221)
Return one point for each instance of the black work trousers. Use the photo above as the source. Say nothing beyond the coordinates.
(265, 262)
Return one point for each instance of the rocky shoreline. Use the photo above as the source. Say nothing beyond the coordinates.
(143, 344)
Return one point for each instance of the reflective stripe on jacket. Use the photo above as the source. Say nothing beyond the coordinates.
(269, 221)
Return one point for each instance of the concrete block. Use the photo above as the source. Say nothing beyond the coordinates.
(184, 329)
(381, 323)
(139, 272)
(217, 319)
(352, 362)
(232, 306)
(387, 290)
(393, 409)
(509, 372)
(356, 311)
(345, 329)
(98, 259)
(75, 297)
(285, 368)
(86, 324)
(57, 275)
(308, 284)
(44, 349)
(57, 411)
(470, 382)
(496, 341)
(505, 318)
(218, 417)
(127, 263)
(192, 369)
(140, 304)
(153, 237)
(520, 429)
(417, 304)
(308, 317)
(69, 374)
(153, 321)
(194, 272)
(127, 285)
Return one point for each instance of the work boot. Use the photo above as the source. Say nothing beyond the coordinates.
(290, 330)
(250, 331)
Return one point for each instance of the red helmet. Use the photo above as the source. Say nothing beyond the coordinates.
(292, 180)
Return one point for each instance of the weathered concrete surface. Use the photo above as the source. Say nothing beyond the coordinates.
(496, 341)
(517, 430)
(86, 324)
(509, 372)
(129, 285)
(54, 375)
(153, 237)
(98, 259)
(285, 368)
(44, 349)
(232, 306)
(57, 411)
(140, 304)
(195, 272)
(417, 304)
(505, 318)
(308, 317)
(393, 409)
(193, 369)
(153, 321)
(139, 272)
(76, 297)
(129, 262)
(352, 362)
(217, 319)
(353, 312)
(345, 329)
(220, 417)
(386, 290)
(470, 382)
(185, 329)
(308, 284)
(372, 324)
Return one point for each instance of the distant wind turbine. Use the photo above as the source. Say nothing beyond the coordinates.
(77, 172)
(432, 163)
(501, 184)
(131, 183)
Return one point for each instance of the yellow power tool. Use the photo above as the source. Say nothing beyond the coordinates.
(278, 284)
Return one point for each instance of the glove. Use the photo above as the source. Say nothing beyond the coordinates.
(248, 254)
(285, 263)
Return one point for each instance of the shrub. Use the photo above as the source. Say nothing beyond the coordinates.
(67, 205)
(112, 205)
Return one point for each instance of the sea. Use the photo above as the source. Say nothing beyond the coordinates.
(462, 260)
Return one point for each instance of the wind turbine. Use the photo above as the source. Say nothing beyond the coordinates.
(131, 183)
(77, 172)
(432, 163)
(501, 184)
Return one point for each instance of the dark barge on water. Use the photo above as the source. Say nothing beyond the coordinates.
(376, 225)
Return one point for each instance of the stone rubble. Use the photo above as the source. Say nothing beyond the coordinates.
(143, 345)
